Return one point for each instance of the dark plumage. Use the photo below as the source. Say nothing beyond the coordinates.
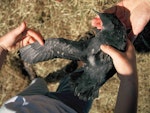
(142, 42)
(98, 67)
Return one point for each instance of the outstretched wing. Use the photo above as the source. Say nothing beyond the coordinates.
(53, 48)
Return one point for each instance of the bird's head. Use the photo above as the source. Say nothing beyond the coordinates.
(106, 20)
(112, 31)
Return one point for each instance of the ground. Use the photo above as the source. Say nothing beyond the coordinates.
(68, 19)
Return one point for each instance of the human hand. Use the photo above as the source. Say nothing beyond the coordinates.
(139, 15)
(19, 37)
(134, 14)
(124, 62)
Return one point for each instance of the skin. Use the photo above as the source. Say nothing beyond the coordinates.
(125, 64)
(18, 37)
(122, 59)
(135, 17)
(134, 14)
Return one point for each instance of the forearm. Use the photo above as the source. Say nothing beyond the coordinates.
(3, 54)
(127, 95)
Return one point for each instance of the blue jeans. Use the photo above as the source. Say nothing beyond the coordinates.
(64, 93)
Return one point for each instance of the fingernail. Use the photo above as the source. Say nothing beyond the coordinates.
(23, 24)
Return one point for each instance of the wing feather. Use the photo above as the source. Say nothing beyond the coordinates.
(53, 48)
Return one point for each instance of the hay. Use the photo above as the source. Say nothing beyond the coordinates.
(67, 19)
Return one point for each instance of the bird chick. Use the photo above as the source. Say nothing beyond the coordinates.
(98, 66)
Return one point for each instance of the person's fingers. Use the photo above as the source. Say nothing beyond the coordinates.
(36, 36)
(15, 34)
(96, 22)
(140, 17)
(111, 10)
(139, 24)
(18, 30)
(121, 12)
(25, 41)
(110, 50)
(31, 40)
(129, 45)
(130, 49)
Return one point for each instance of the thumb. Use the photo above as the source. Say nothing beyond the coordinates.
(109, 50)
(19, 29)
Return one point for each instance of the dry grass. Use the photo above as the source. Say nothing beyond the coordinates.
(67, 19)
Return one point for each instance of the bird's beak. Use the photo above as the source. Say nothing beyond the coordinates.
(101, 15)
(96, 11)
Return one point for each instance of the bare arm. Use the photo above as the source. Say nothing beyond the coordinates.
(125, 64)
(127, 95)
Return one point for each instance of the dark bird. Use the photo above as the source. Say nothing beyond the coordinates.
(98, 66)
(142, 42)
